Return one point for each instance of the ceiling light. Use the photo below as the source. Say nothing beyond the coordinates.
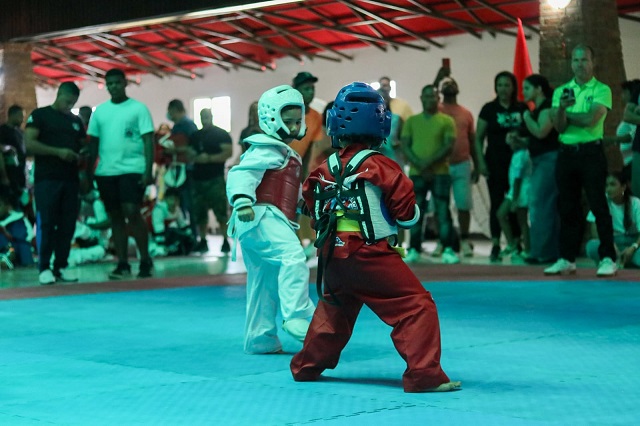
(559, 4)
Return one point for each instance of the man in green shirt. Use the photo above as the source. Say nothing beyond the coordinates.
(427, 141)
(580, 108)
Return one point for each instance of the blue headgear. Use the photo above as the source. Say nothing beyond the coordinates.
(358, 110)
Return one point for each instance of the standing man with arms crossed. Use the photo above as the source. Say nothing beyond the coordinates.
(121, 132)
(54, 136)
(580, 108)
(462, 174)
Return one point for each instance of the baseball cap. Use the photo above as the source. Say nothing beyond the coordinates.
(303, 77)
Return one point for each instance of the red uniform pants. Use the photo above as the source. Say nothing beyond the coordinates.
(375, 275)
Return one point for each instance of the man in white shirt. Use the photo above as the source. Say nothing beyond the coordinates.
(121, 132)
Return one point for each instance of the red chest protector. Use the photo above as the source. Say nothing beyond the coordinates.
(281, 188)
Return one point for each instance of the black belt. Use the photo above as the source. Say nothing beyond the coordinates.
(581, 146)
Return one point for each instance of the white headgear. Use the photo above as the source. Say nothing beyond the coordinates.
(270, 108)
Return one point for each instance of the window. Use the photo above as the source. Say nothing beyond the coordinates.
(220, 107)
(376, 86)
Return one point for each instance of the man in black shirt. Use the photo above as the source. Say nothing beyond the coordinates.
(210, 148)
(54, 136)
(13, 155)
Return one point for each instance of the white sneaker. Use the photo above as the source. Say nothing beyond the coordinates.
(466, 248)
(62, 277)
(438, 251)
(297, 328)
(412, 256)
(607, 268)
(450, 257)
(46, 277)
(562, 266)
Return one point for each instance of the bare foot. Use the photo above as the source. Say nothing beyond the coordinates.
(446, 387)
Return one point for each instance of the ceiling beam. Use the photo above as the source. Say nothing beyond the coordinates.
(114, 57)
(260, 40)
(153, 59)
(417, 13)
(183, 50)
(370, 26)
(341, 29)
(506, 15)
(91, 70)
(463, 6)
(120, 43)
(187, 31)
(431, 12)
(67, 71)
(266, 45)
(283, 31)
(393, 25)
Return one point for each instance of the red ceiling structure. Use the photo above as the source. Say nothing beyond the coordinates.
(255, 38)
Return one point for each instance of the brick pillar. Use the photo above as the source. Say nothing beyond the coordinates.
(17, 81)
(595, 23)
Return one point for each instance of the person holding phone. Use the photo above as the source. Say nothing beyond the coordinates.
(580, 108)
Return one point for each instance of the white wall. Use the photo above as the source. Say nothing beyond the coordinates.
(474, 63)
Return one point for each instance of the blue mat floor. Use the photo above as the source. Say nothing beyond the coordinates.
(528, 353)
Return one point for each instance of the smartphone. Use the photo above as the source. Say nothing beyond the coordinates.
(568, 92)
(446, 63)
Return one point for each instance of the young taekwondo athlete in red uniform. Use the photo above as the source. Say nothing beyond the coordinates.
(357, 199)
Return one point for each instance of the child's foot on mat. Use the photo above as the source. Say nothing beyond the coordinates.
(446, 387)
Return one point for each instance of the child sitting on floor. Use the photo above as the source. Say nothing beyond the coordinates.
(16, 234)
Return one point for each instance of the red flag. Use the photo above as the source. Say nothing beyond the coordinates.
(521, 63)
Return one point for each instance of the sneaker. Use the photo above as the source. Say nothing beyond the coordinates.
(466, 248)
(495, 254)
(226, 248)
(450, 257)
(61, 278)
(607, 268)
(46, 277)
(412, 256)
(144, 270)
(297, 328)
(122, 271)
(438, 251)
(202, 246)
(508, 251)
(6, 262)
(562, 266)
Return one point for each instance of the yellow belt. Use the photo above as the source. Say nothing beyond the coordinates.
(348, 225)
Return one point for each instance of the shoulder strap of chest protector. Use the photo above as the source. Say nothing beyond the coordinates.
(327, 224)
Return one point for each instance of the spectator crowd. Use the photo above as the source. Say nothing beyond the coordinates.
(74, 189)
